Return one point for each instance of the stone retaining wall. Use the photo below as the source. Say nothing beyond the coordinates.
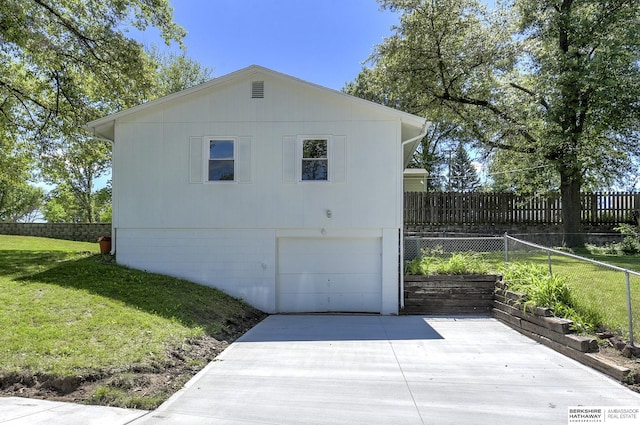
(84, 232)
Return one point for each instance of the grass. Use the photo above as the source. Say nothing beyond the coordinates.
(553, 291)
(456, 264)
(67, 312)
(596, 291)
(591, 295)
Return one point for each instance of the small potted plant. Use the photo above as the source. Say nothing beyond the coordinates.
(105, 244)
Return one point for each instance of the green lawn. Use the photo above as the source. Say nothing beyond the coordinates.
(68, 312)
(596, 289)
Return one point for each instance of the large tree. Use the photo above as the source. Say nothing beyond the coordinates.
(78, 161)
(19, 198)
(64, 62)
(75, 166)
(19, 201)
(554, 81)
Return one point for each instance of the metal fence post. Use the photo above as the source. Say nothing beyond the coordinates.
(626, 273)
(506, 249)
(549, 260)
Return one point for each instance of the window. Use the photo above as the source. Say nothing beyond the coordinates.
(222, 159)
(315, 159)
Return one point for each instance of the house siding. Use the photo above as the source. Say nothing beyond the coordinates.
(226, 234)
(239, 262)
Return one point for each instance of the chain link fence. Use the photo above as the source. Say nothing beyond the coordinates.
(610, 293)
(490, 247)
(603, 290)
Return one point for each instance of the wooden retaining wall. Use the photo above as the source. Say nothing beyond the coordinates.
(540, 325)
(449, 294)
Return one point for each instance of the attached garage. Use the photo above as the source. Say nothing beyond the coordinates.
(329, 275)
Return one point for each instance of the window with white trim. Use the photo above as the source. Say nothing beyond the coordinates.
(221, 159)
(315, 159)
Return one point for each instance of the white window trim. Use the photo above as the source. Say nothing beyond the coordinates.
(299, 152)
(205, 148)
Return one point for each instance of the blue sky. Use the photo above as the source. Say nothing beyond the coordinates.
(320, 41)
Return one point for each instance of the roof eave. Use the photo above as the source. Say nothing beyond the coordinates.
(407, 118)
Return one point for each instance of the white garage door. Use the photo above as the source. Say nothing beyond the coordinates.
(329, 275)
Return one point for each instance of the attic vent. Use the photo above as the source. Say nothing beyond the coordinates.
(257, 90)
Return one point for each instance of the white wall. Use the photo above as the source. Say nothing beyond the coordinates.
(222, 234)
(239, 262)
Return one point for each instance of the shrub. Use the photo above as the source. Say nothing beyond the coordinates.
(545, 290)
(458, 263)
(631, 242)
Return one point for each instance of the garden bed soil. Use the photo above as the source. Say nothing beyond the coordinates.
(156, 381)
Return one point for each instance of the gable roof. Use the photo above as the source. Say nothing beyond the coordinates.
(413, 126)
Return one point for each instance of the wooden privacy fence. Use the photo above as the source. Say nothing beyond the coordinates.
(485, 208)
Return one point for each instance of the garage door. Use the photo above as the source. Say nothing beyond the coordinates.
(329, 275)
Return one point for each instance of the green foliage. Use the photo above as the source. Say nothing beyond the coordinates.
(596, 291)
(60, 207)
(463, 176)
(103, 208)
(606, 249)
(108, 395)
(554, 84)
(74, 167)
(19, 201)
(78, 161)
(545, 290)
(522, 174)
(63, 62)
(457, 263)
(631, 242)
(430, 155)
(176, 72)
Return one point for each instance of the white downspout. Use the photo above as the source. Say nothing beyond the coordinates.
(423, 132)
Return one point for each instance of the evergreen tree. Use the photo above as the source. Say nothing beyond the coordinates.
(463, 175)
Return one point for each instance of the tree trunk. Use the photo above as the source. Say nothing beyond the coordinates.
(570, 183)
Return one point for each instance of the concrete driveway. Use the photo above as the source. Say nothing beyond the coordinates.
(388, 370)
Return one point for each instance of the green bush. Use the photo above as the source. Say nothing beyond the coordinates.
(458, 263)
(631, 242)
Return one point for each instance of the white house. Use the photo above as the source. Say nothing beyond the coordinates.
(275, 190)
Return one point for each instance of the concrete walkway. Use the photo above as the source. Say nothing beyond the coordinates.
(26, 411)
(365, 370)
(388, 370)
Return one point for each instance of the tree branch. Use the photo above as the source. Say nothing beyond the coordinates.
(531, 93)
(482, 137)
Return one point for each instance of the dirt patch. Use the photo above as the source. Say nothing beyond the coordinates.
(614, 354)
(142, 386)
